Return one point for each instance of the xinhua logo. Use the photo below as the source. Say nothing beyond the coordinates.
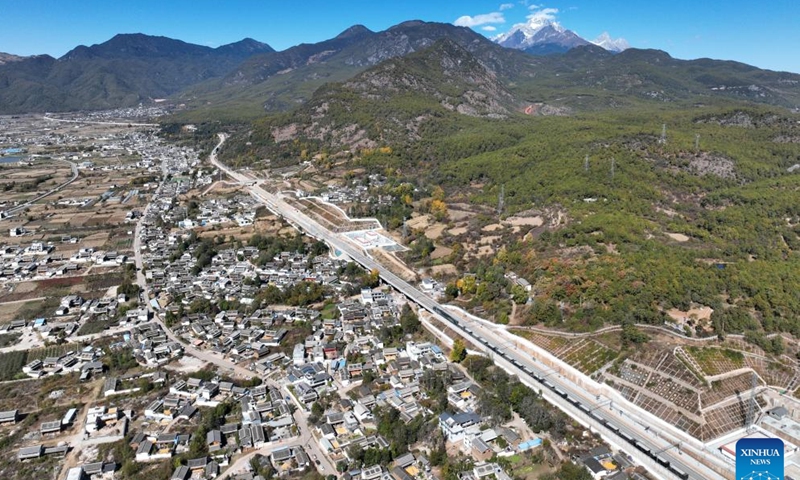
(759, 459)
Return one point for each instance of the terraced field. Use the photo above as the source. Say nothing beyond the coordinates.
(716, 361)
(670, 379)
(587, 355)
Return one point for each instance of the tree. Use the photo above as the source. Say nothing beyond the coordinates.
(316, 409)
(632, 335)
(459, 352)
(467, 285)
(569, 471)
(409, 321)
(367, 377)
(451, 290)
(519, 294)
(373, 279)
(439, 209)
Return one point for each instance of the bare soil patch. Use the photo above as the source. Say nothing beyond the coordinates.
(678, 237)
(446, 269)
(419, 223)
(435, 231)
(441, 252)
(525, 221)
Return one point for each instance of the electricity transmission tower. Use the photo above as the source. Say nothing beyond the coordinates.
(751, 413)
(586, 163)
(663, 139)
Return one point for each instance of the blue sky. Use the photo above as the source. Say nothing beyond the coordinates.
(762, 34)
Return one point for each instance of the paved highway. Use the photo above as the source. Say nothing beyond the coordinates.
(12, 211)
(123, 124)
(640, 443)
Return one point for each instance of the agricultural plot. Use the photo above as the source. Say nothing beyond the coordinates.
(22, 183)
(552, 344)
(11, 363)
(724, 389)
(674, 393)
(10, 311)
(631, 373)
(669, 414)
(773, 373)
(665, 385)
(716, 361)
(672, 367)
(52, 287)
(588, 356)
(722, 420)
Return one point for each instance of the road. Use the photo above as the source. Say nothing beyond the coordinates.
(124, 124)
(12, 211)
(305, 439)
(203, 355)
(493, 343)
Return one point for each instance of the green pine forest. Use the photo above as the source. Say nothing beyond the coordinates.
(723, 179)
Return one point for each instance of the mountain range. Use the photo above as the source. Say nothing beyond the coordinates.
(535, 63)
(543, 36)
(126, 70)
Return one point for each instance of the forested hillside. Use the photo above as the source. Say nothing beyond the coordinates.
(709, 217)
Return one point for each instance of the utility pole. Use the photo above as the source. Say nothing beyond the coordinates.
(501, 199)
(586, 163)
(613, 169)
(405, 228)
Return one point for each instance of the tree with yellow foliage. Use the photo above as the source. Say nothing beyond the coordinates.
(439, 209)
(438, 193)
(467, 284)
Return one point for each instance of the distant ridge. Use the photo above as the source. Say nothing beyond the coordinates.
(125, 70)
(248, 78)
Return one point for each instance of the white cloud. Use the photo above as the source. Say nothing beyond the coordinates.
(489, 28)
(506, 6)
(478, 20)
(542, 15)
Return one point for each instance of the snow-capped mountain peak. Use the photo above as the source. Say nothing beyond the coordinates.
(611, 44)
(541, 34)
(529, 29)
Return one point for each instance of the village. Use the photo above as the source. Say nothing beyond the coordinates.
(222, 344)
